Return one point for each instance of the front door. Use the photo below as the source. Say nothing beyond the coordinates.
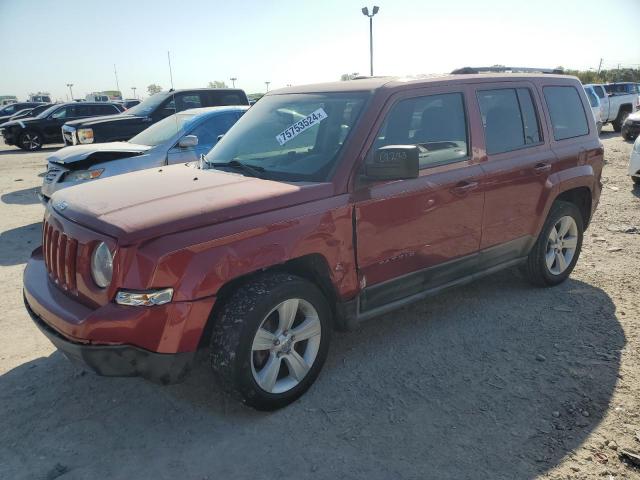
(416, 234)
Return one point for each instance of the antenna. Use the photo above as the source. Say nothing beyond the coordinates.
(117, 84)
(173, 94)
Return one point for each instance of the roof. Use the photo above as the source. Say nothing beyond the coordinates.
(375, 83)
(225, 108)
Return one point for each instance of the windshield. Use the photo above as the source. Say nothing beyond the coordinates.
(149, 105)
(294, 137)
(162, 131)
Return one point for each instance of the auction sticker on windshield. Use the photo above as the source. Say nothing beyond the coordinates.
(297, 128)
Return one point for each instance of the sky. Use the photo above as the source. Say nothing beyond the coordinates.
(49, 43)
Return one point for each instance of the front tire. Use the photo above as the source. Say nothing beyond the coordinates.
(556, 251)
(30, 141)
(618, 122)
(270, 340)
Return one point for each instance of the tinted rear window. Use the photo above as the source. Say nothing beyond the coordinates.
(568, 118)
(509, 119)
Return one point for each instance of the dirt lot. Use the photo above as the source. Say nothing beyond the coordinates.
(496, 380)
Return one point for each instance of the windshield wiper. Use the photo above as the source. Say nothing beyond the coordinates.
(254, 171)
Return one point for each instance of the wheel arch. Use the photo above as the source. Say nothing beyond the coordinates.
(582, 198)
(312, 267)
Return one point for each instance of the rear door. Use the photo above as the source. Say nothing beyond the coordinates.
(419, 233)
(518, 163)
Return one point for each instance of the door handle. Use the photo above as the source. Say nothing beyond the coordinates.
(464, 187)
(542, 167)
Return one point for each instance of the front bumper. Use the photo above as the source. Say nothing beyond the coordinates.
(631, 129)
(119, 360)
(157, 343)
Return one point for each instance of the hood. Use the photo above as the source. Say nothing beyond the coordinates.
(110, 119)
(634, 116)
(98, 152)
(21, 121)
(150, 203)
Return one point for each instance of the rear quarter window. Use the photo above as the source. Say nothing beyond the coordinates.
(568, 118)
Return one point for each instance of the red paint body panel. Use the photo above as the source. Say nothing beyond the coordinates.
(169, 230)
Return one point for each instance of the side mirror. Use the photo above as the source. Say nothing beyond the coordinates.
(394, 162)
(188, 141)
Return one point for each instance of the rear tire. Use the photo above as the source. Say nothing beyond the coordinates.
(556, 251)
(270, 340)
(30, 141)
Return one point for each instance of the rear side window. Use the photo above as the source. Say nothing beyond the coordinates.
(509, 118)
(599, 91)
(436, 124)
(568, 118)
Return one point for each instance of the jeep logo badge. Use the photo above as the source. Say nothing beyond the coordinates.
(60, 205)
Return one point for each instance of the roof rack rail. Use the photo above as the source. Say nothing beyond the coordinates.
(503, 69)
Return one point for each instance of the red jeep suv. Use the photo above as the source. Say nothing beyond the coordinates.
(324, 206)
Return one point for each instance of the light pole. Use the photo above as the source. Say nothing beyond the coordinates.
(233, 80)
(267, 84)
(365, 12)
(70, 90)
(134, 92)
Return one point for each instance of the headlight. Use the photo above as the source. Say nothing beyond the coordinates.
(144, 299)
(83, 175)
(102, 265)
(85, 135)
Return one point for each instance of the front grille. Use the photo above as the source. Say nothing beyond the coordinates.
(67, 135)
(60, 253)
(52, 174)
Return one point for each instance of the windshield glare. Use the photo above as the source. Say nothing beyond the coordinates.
(148, 106)
(293, 137)
(162, 131)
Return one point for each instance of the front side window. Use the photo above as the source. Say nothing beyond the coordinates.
(293, 137)
(61, 113)
(509, 119)
(568, 118)
(209, 130)
(436, 124)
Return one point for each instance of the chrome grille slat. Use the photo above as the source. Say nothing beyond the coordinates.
(60, 253)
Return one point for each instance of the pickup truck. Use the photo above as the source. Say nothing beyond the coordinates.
(615, 105)
(119, 128)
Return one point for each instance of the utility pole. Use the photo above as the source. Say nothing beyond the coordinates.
(599, 67)
(117, 84)
(134, 92)
(267, 84)
(365, 11)
(70, 90)
(233, 81)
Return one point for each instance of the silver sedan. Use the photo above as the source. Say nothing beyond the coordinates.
(182, 137)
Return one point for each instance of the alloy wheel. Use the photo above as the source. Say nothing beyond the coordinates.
(285, 346)
(31, 141)
(561, 245)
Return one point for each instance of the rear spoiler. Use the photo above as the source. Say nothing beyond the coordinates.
(503, 69)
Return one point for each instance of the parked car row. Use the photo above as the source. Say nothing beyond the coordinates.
(321, 207)
(617, 102)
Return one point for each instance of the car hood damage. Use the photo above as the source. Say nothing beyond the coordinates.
(83, 156)
(150, 203)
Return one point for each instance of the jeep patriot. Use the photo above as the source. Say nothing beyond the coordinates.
(324, 206)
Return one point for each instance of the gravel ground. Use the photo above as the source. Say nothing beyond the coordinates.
(495, 380)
